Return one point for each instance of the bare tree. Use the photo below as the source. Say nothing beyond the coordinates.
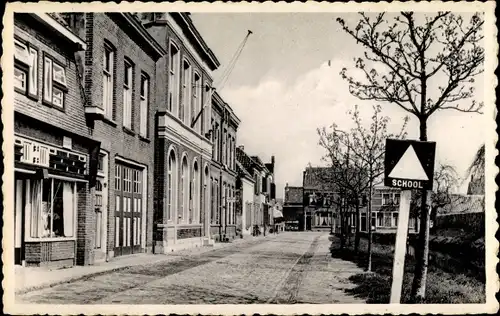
(364, 150)
(476, 172)
(444, 48)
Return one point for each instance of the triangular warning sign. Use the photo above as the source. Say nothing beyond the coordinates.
(409, 167)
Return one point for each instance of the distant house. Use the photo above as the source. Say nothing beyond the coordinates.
(293, 208)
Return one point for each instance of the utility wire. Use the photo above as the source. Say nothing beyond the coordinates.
(224, 77)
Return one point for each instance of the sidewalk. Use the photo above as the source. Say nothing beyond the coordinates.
(28, 279)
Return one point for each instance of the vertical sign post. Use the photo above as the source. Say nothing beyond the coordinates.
(409, 165)
(400, 249)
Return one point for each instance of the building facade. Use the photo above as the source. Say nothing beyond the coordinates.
(223, 173)
(55, 154)
(322, 200)
(245, 186)
(293, 208)
(264, 195)
(118, 71)
(183, 146)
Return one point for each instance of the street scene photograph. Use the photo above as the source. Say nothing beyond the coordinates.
(195, 157)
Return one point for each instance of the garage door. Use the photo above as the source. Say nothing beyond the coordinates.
(128, 210)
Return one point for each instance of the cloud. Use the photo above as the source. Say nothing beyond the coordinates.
(281, 119)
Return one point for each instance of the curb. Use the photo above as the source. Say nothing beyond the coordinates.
(99, 273)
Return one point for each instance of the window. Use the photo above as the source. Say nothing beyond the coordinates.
(207, 101)
(54, 82)
(20, 79)
(53, 205)
(26, 68)
(224, 147)
(197, 105)
(386, 199)
(143, 130)
(185, 114)
(127, 95)
(397, 196)
(394, 219)
(184, 186)
(173, 87)
(195, 197)
(172, 171)
(212, 205)
(108, 82)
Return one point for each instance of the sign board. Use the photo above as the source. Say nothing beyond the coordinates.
(409, 164)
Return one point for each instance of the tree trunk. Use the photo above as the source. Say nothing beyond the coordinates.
(422, 249)
(369, 220)
(342, 227)
(357, 237)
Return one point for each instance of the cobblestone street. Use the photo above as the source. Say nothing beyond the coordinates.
(290, 268)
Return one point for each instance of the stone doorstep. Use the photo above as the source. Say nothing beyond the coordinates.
(115, 265)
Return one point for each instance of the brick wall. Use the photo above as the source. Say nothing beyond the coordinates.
(102, 29)
(85, 225)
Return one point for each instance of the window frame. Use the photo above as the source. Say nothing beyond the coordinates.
(109, 108)
(144, 105)
(187, 78)
(53, 84)
(29, 217)
(196, 99)
(173, 78)
(29, 68)
(128, 94)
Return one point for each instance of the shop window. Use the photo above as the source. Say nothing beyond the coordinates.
(53, 208)
(54, 83)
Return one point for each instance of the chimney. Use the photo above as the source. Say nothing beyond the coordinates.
(272, 160)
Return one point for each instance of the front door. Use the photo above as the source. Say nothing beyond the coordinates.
(128, 210)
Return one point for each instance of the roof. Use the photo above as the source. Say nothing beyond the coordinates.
(185, 19)
(318, 178)
(135, 27)
(224, 106)
(294, 195)
(259, 163)
(242, 171)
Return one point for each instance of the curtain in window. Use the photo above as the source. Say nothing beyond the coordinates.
(36, 208)
(68, 213)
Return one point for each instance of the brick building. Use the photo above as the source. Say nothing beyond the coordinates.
(293, 208)
(223, 173)
(320, 199)
(183, 145)
(118, 69)
(55, 154)
(264, 189)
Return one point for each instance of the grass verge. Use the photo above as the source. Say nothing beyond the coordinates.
(442, 286)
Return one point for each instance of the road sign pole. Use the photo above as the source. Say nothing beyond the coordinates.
(400, 248)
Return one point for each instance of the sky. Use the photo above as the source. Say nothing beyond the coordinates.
(286, 84)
